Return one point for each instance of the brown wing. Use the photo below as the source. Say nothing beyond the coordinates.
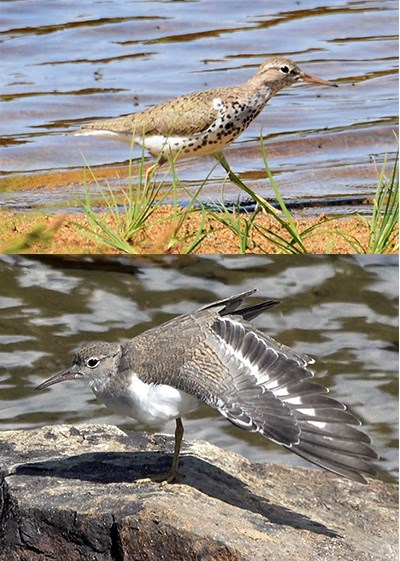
(184, 115)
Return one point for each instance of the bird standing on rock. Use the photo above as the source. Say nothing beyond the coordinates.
(204, 122)
(216, 356)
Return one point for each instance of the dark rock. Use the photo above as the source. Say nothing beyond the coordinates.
(74, 493)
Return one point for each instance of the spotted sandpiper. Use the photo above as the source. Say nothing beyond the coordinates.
(204, 122)
(215, 355)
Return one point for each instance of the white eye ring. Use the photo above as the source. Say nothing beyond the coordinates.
(284, 69)
(92, 362)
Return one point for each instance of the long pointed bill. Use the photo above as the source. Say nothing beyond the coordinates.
(68, 374)
(316, 80)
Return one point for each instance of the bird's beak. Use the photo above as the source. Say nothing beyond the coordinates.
(316, 80)
(68, 374)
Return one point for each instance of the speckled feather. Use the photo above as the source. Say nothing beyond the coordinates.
(202, 122)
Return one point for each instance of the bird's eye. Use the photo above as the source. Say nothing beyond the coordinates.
(284, 69)
(92, 362)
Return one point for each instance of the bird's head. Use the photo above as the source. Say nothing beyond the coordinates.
(280, 72)
(94, 364)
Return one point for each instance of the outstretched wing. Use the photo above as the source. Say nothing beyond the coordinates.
(272, 393)
(217, 356)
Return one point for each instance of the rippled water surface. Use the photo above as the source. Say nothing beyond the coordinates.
(342, 311)
(67, 63)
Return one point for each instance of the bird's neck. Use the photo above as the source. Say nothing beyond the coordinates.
(256, 94)
(260, 86)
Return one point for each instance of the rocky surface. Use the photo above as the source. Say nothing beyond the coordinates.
(74, 493)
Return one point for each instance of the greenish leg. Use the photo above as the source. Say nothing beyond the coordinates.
(173, 472)
(265, 205)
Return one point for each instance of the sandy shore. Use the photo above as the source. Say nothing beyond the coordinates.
(164, 233)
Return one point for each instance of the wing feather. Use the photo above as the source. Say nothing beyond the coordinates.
(301, 417)
(220, 358)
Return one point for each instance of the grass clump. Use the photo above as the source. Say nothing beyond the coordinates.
(147, 217)
(124, 218)
(385, 215)
(288, 238)
(123, 224)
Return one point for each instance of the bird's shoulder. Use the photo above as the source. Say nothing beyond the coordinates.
(184, 115)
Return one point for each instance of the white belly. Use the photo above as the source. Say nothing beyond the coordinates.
(150, 405)
(185, 146)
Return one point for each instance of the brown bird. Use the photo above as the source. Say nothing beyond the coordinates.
(205, 122)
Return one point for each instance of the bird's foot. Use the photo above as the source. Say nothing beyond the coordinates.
(163, 478)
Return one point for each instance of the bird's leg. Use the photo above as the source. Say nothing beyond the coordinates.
(260, 201)
(161, 159)
(173, 471)
(150, 171)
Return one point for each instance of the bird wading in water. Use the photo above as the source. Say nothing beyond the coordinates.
(205, 122)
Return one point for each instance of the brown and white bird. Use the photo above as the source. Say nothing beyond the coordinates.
(204, 122)
(214, 355)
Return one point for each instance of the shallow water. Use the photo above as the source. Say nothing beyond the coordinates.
(343, 311)
(66, 63)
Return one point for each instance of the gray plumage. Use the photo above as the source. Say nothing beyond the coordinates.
(217, 356)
